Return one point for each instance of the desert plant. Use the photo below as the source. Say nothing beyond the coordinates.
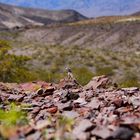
(13, 116)
(104, 71)
(82, 74)
(13, 68)
(130, 79)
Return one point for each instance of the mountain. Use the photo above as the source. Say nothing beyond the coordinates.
(12, 16)
(91, 8)
(136, 14)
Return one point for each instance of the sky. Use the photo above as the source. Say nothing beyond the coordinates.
(90, 8)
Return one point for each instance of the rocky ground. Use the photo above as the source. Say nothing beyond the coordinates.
(99, 110)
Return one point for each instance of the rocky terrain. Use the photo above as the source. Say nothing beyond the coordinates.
(97, 111)
(12, 16)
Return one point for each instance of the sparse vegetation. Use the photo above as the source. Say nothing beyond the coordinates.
(13, 68)
(10, 120)
(50, 63)
(104, 71)
(130, 80)
(13, 116)
(83, 75)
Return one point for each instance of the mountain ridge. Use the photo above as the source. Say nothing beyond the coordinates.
(90, 8)
(12, 16)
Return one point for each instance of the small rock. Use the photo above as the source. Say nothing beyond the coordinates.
(34, 136)
(72, 96)
(1, 100)
(117, 102)
(27, 130)
(76, 90)
(36, 110)
(83, 126)
(82, 136)
(65, 107)
(94, 104)
(52, 110)
(102, 132)
(49, 89)
(80, 101)
(37, 104)
(131, 89)
(70, 114)
(88, 95)
(135, 101)
(122, 133)
(124, 109)
(42, 124)
(40, 91)
(65, 84)
(18, 98)
(66, 96)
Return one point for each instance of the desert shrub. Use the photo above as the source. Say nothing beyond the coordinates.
(49, 75)
(89, 64)
(130, 79)
(104, 71)
(10, 120)
(82, 74)
(13, 68)
(128, 64)
(13, 116)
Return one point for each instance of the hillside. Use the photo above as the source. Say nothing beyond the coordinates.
(12, 16)
(106, 45)
(100, 32)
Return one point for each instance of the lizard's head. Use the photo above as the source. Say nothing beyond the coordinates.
(68, 69)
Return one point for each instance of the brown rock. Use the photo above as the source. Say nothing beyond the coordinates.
(98, 82)
(117, 102)
(52, 109)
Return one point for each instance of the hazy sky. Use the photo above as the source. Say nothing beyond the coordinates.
(87, 7)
